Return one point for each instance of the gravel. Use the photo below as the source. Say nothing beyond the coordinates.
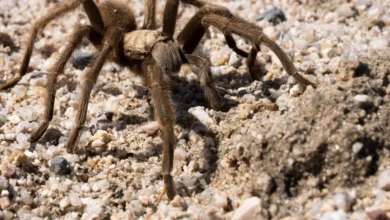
(275, 150)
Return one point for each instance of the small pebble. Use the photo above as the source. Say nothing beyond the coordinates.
(363, 100)
(296, 90)
(200, 114)
(356, 147)
(180, 154)
(7, 169)
(151, 128)
(3, 183)
(3, 120)
(75, 199)
(28, 113)
(221, 200)
(82, 59)
(336, 215)
(179, 202)
(64, 202)
(379, 44)
(378, 215)
(235, 60)
(60, 166)
(344, 11)
(6, 41)
(193, 166)
(384, 180)
(342, 201)
(250, 209)
(4, 193)
(51, 136)
(14, 119)
(4, 203)
(26, 198)
(273, 15)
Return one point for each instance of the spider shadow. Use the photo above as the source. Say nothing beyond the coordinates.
(187, 95)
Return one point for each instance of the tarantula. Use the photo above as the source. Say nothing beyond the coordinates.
(149, 52)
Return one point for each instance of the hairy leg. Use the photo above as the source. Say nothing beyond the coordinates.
(256, 36)
(170, 16)
(94, 16)
(165, 115)
(232, 45)
(58, 68)
(250, 61)
(191, 35)
(56, 11)
(213, 96)
(112, 37)
(150, 15)
(171, 11)
(221, 18)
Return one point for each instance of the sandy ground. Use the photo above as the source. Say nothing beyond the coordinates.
(275, 151)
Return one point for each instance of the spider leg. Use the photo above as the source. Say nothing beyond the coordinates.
(165, 115)
(94, 16)
(213, 95)
(250, 61)
(171, 11)
(222, 19)
(111, 39)
(170, 16)
(253, 33)
(232, 45)
(150, 15)
(56, 11)
(58, 68)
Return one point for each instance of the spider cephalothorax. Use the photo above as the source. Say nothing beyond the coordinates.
(149, 52)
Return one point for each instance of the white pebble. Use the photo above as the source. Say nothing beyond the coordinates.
(356, 147)
(64, 202)
(200, 114)
(150, 128)
(28, 113)
(14, 119)
(336, 215)
(384, 180)
(379, 43)
(250, 209)
(363, 100)
(345, 11)
(296, 90)
(75, 199)
(86, 188)
(221, 200)
(180, 154)
(342, 201)
(22, 139)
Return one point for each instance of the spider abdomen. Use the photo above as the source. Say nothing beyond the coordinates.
(138, 44)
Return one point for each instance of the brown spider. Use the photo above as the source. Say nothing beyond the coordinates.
(113, 32)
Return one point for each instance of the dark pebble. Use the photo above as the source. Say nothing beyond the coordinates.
(82, 59)
(273, 15)
(7, 41)
(60, 166)
(52, 136)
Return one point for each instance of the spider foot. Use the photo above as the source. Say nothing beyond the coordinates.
(169, 186)
(214, 96)
(39, 132)
(10, 83)
(71, 146)
(303, 81)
